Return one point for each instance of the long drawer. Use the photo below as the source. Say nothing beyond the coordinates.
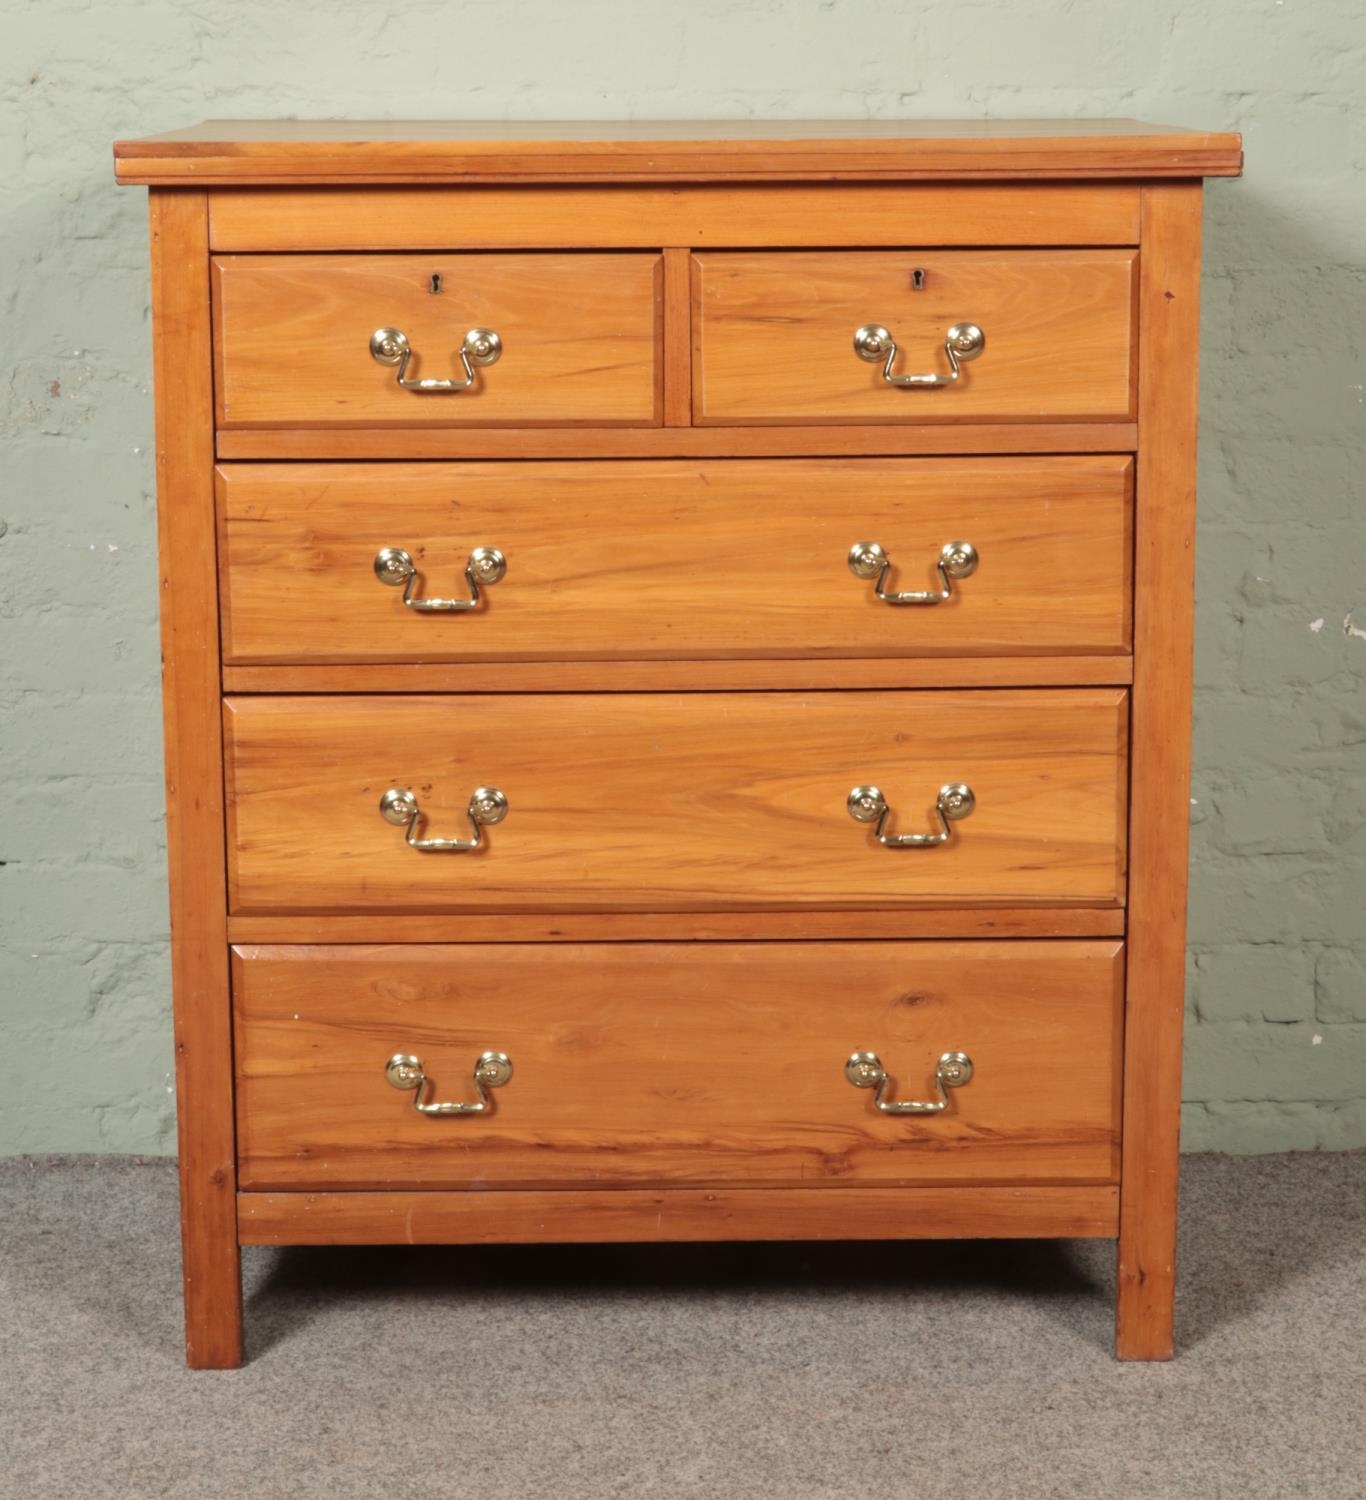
(813, 336)
(677, 1063)
(658, 802)
(349, 340)
(329, 563)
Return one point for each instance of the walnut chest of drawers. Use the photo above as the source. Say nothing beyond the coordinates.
(677, 665)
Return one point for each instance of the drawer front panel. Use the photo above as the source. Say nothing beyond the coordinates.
(775, 333)
(579, 332)
(681, 1063)
(658, 802)
(673, 560)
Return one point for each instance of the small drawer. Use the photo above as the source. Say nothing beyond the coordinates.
(1043, 334)
(508, 340)
(332, 563)
(675, 802)
(631, 1064)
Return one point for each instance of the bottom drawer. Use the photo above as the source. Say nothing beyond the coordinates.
(684, 1063)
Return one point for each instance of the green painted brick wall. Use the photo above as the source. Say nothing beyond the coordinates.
(1276, 1056)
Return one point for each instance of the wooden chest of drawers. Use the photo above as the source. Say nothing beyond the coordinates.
(677, 662)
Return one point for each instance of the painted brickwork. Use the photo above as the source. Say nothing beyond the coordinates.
(1277, 1044)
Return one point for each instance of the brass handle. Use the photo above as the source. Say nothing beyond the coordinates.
(963, 342)
(865, 1071)
(480, 346)
(868, 560)
(486, 805)
(866, 804)
(491, 1071)
(486, 565)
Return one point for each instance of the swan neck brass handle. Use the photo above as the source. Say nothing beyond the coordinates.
(962, 342)
(956, 560)
(866, 804)
(394, 566)
(487, 805)
(480, 346)
(491, 1071)
(865, 1071)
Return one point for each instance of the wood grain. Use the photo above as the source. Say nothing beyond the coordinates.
(688, 676)
(619, 926)
(1160, 818)
(673, 560)
(588, 1216)
(323, 151)
(774, 334)
(692, 1063)
(194, 787)
(580, 338)
(656, 802)
(679, 214)
(926, 439)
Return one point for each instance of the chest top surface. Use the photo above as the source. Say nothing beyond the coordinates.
(228, 152)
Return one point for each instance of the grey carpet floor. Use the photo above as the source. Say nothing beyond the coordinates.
(799, 1372)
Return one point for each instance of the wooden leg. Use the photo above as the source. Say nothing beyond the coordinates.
(1160, 726)
(212, 1272)
(1143, 1312)
(195, 836)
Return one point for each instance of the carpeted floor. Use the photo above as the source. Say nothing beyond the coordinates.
(791, 1372)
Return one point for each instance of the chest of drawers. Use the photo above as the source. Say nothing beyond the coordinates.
(677, 664)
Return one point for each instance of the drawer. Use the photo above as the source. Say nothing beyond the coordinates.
(677, 1063)
(688, 801)
(579, 339)
(747, 558)
(775, 335)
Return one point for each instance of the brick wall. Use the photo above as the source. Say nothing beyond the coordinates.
(1277, 1043)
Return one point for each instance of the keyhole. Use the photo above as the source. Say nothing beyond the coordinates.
(917, 281)
(436, 282)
